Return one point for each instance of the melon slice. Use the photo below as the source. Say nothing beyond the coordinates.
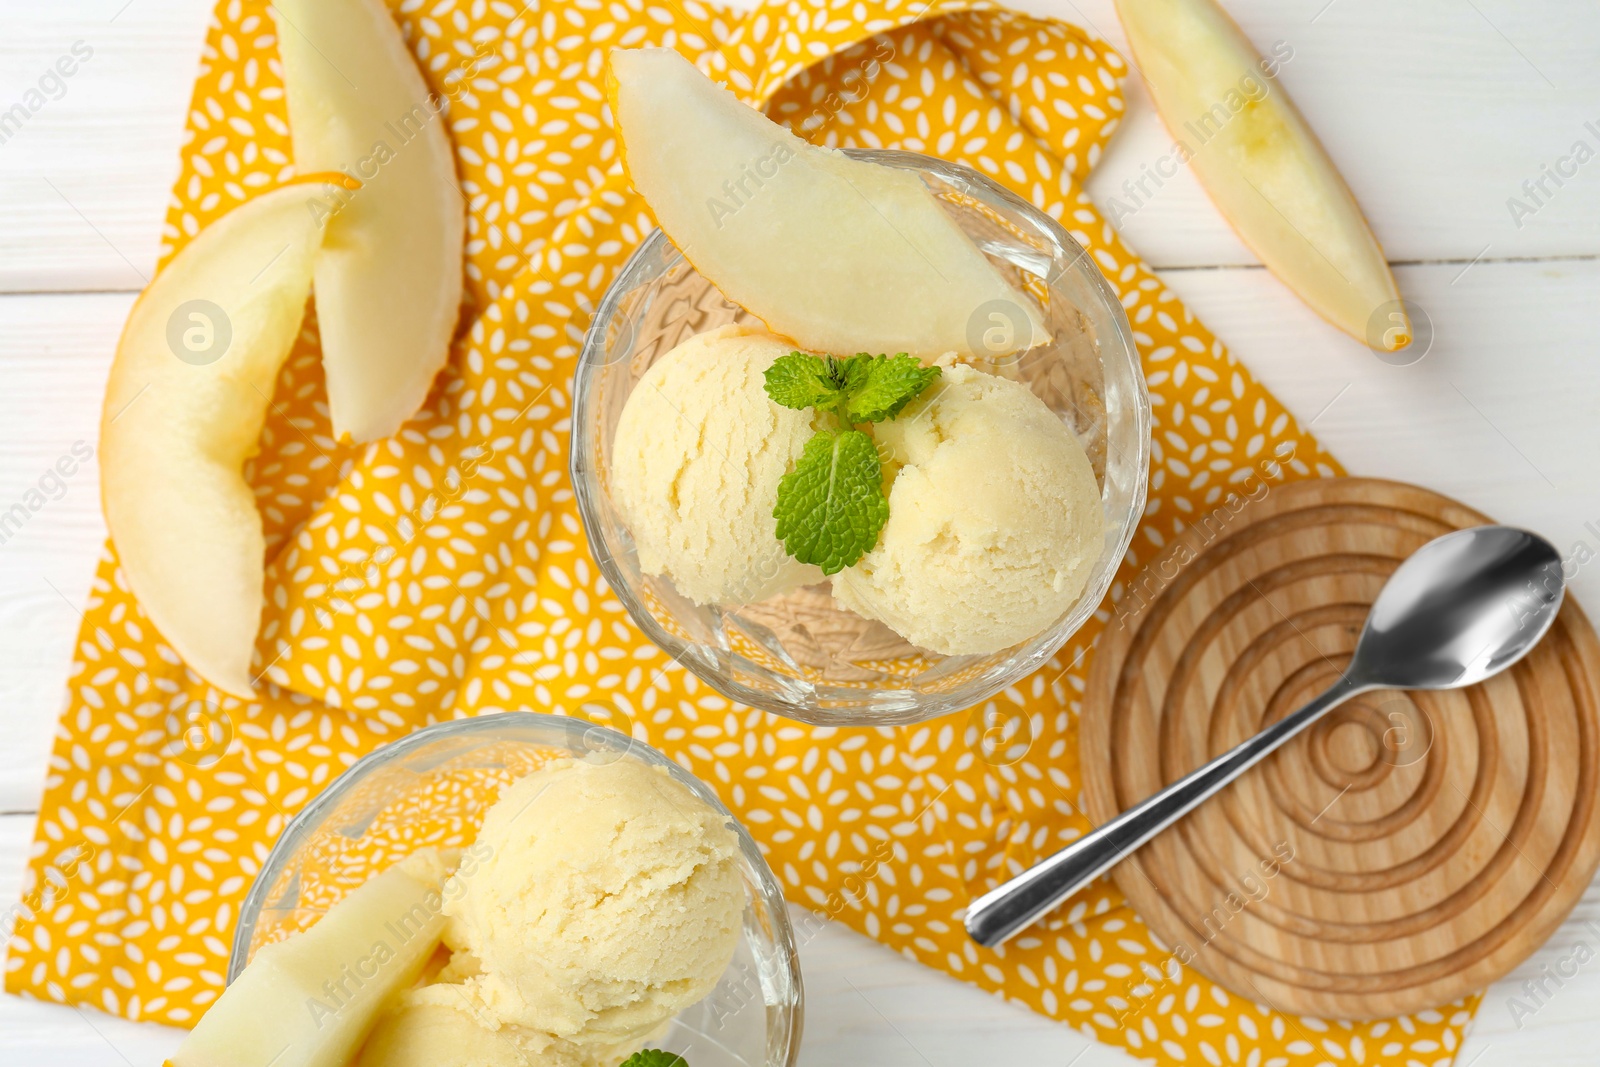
(1261, 164)
(390, 274)
(189, 389)
(838, 255)
(311, 1000)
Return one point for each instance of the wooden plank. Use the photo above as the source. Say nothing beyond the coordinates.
(1544, 1011)
(1434, 116)
(1498, 414)
(85, 176)
(54, 355)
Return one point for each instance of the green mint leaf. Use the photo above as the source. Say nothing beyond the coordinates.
(654, 1057)
(800, 381)
(831, 506)
(886, 386)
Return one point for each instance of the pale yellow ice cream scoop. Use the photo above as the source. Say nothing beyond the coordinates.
(994, 519)
(695, 464)
(611, 901)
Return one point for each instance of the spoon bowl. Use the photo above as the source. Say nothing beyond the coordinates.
(1462, 608)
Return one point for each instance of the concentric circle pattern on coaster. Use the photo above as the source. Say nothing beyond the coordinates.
(1408, 849)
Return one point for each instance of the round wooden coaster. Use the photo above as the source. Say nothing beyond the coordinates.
(1409, 849)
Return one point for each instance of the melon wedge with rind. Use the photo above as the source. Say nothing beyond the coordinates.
(189, 389)
(836, 254)
(312, 999)
(1262, 165)
(389, 279)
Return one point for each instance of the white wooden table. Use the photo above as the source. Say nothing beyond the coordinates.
(1437, 110)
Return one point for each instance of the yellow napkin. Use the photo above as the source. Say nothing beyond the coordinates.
(444, 573)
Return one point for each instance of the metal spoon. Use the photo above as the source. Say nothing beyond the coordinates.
(1464, 607)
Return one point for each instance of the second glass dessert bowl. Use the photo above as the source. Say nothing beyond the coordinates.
(433, 787)
(801, 655)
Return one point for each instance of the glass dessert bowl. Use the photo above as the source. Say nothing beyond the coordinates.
(800, 654)
(432, 788)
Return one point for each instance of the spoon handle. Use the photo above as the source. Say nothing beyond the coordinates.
(1000, 913)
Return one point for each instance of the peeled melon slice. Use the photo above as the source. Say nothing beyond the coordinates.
(390, 273)
(838, 255)
(1261, 164)
(189, 388)
(311, 1000)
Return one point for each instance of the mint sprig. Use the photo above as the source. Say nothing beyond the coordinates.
(654, 1057)
(831, 507)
